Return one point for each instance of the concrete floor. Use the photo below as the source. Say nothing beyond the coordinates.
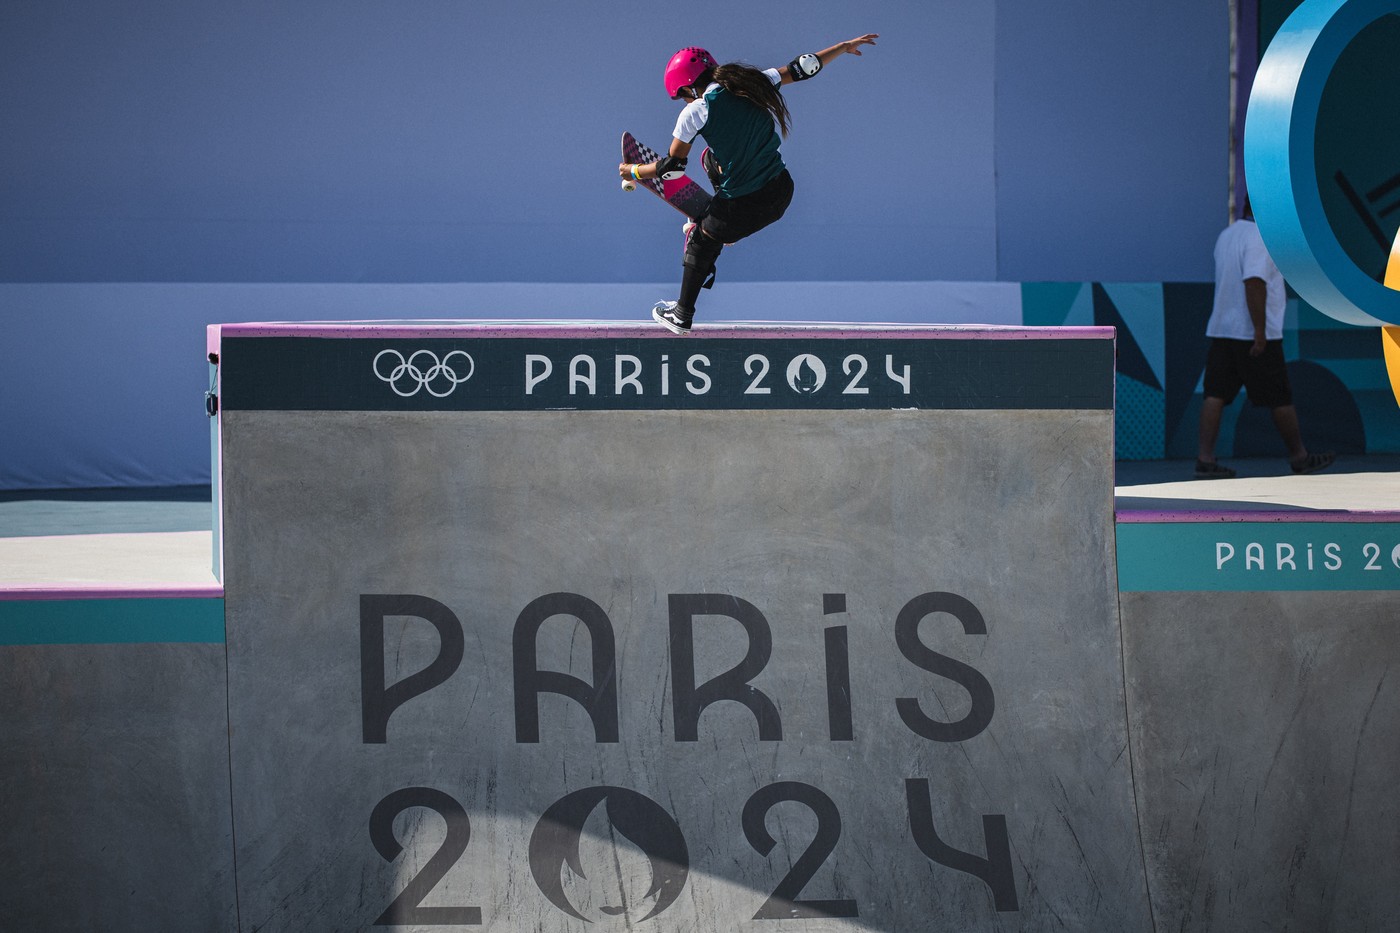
(1362, 484)
(107, 538)
(161, 538)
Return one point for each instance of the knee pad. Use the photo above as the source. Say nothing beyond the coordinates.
(701, 251)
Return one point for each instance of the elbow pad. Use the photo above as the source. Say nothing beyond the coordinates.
(804, 66)
(668, 167)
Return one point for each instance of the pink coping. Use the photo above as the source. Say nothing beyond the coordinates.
(629, 329)
(1281, 516)
(109, 591)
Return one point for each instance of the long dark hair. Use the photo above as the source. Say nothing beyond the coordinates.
(753, 85)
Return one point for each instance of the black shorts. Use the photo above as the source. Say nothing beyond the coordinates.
(731, 219)
(1264, 377)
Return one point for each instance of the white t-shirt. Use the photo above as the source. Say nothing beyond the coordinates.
(1240, 254)
(696, 114)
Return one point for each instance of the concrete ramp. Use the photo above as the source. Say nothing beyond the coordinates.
(1262, 700)
(529, 627)
(114, 775)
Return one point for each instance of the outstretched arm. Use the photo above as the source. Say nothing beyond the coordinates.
(793, 71)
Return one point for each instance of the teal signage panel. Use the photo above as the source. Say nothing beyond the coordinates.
(111, 621)
(624, 373)
(1258, 556)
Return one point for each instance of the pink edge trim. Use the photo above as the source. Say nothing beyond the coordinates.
(629, 329)
(107, 591)
(1179, 516)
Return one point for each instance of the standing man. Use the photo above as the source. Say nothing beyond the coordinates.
(1246, 347)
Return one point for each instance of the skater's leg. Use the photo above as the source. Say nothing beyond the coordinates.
(698, 268)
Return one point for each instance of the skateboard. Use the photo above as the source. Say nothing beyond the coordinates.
(681, 193)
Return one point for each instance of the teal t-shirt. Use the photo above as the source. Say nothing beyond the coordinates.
(740, 134)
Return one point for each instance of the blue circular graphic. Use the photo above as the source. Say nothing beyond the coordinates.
(1280, 161)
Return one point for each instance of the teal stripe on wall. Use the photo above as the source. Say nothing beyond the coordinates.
(111, 621)
(1258, 556)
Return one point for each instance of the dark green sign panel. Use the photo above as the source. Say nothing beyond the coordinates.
(539, 374)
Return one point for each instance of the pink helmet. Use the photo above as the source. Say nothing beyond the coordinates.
(685, 68)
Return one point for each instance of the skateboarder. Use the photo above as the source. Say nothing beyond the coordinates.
(740, 112)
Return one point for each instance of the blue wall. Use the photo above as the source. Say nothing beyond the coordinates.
(165, 165)
(443, 140)
(1112, 136)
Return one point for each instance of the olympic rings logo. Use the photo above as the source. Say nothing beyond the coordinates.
(423, 370)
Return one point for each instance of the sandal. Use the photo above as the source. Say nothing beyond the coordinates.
(1209, 469)
(1313, 463)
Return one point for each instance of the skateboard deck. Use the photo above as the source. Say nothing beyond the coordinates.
(681, 193)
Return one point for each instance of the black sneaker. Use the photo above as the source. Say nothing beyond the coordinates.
(669, 315)
(1313, 463)
(1209, 469)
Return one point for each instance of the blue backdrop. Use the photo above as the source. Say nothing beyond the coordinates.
(166, 164)
(450, 141)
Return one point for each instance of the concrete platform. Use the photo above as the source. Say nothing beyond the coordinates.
(107, 538)
(1365, 485)
(160, 537)
(1194, 724)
